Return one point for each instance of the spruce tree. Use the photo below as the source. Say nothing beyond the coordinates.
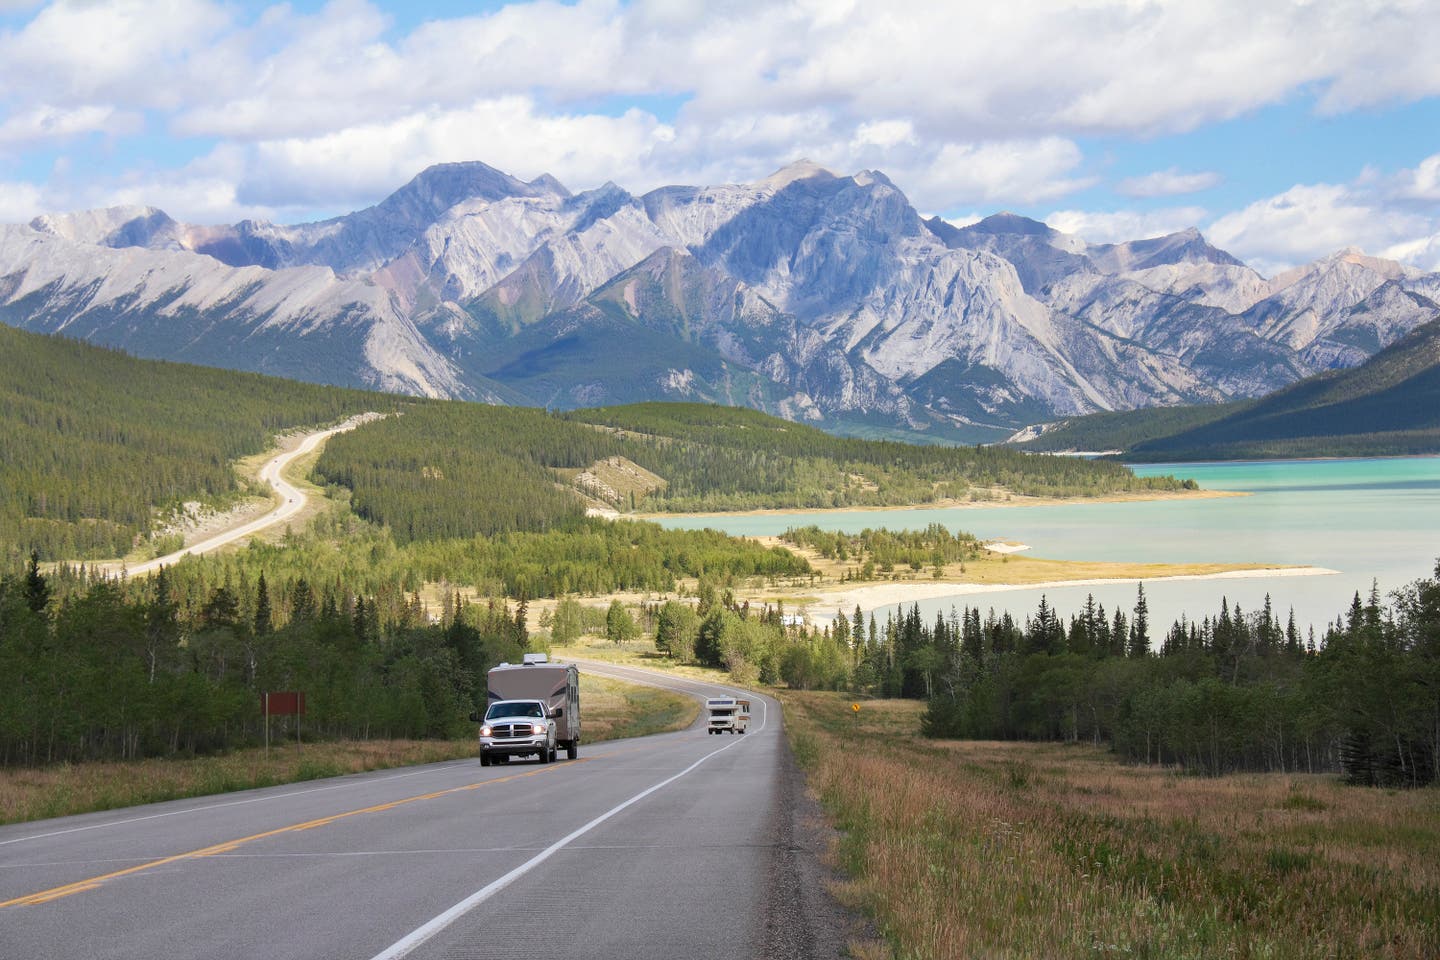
(1140, 627)
(37, 590)
(263, 621)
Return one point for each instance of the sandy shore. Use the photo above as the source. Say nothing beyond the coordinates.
(821, 605)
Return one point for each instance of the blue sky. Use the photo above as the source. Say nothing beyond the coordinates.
(1284, 130)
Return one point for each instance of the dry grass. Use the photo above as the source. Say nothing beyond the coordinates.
(637, 653)
(1038, 850)
(85, 787)
(613, 710)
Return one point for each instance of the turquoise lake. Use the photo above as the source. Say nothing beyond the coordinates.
(1371, 520)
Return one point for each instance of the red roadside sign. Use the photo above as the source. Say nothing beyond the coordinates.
(283, 704)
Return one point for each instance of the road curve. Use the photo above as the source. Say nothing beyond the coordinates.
(292, 501)
(663, 846)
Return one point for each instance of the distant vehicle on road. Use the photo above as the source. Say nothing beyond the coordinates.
(728, 713)
(533, 709)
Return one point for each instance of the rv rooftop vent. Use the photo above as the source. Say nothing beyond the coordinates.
(536, 658)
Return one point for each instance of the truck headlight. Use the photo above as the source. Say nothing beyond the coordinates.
(485, 730)
(538, 728)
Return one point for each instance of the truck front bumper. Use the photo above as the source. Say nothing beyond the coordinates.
(524, 746)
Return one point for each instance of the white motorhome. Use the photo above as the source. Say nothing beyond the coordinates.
(512, 689)
(728, 713)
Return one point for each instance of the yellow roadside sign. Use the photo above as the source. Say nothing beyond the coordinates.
(855, 707)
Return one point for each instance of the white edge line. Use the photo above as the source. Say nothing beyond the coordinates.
(408, 943)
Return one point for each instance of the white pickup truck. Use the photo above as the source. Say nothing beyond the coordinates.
(533, 708)
(515, 728)
(728, 713)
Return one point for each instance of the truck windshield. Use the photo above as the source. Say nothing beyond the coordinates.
(514, 710)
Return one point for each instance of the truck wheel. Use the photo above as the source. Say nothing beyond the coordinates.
(484, 760)
(572, 749)
(544, 754)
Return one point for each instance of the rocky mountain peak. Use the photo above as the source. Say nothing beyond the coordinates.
(799, 170)
(548, 184)
(1186, 246)
(120, 226)
(1005, 222)
(438, 188)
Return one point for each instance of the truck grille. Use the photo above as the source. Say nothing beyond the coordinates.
(511, 730)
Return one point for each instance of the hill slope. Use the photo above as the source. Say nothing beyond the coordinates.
(95, 441)
(1388, 405)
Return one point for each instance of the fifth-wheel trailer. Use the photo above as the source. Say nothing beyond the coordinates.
(557, 685)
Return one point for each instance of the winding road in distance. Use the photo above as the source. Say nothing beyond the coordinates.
(670, 846)
(292, 501)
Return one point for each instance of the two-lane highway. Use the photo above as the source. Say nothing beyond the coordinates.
(654, 847)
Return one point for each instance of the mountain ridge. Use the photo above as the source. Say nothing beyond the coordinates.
(822, 297)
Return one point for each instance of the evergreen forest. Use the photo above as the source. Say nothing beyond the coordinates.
(177, 663)
(97, 442)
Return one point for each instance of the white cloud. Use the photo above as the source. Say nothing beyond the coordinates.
(369, 161)
(132, 53)
(50, 123)
(1391, 215)
(963, 105)
(20, 202)
(1423, 252)
(884, 134)
(1122, 225)
(955, 72)
(1311, 221)
(1167, 183)
(1421, 184)
(1022, 171)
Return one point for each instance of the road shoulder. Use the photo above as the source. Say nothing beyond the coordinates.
(803, 919)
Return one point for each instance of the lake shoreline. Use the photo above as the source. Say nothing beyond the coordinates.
(877, 596)
(1015, 501)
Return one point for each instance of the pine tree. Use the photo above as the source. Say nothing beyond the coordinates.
(1140, 627)
(37, 590)
(302, 602)
(263, 622)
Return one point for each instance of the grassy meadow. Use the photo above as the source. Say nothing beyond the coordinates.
(612, 711)
(1001, 850)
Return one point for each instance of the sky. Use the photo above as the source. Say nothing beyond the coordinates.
(1285, 131)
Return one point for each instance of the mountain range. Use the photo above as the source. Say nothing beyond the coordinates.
(822, 298)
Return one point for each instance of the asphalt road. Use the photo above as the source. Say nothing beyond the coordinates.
(663, 846)
(290, 499)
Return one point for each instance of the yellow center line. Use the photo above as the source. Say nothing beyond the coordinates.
(80, 886)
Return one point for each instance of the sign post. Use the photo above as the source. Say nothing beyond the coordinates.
(286, 704)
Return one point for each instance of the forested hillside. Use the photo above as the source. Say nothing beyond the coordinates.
(458, 470)
(1389, 405)
(753, 460)
(95, 440)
